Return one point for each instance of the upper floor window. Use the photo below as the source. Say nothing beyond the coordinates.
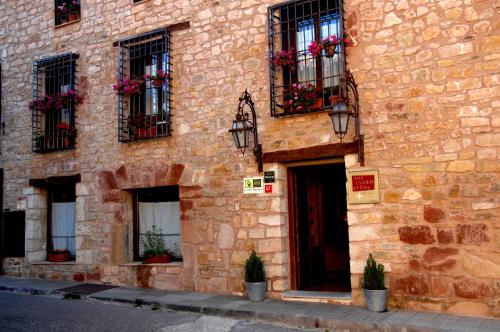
(305, 68)
(66, 11)
(54, 101)
(143, 87)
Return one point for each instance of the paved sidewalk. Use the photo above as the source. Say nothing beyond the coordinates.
(307, 315)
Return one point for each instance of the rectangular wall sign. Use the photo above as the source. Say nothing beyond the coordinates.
(362, 187)
(253, 185)
(269, 177)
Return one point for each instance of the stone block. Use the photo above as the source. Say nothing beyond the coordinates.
(472, 234)
(416, 235)
(272, 220)
(482, 266)
(270, 245)
(410, 285)
(438, 259)
(472, 289)
(433, 214)
(445, 236)
(363, 233)
(225, 238)
(37, 202)
(461, 166)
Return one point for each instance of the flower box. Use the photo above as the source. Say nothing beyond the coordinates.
(58, 256)
(160, 259)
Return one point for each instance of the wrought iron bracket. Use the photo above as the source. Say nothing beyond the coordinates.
(246, 101)
(349, 84)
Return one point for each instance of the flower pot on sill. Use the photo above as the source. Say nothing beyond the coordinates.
(73, 17)
(160, 259)
(330, 51)
(333, 99)
(318, 103)
(58, 256)
(151, 132)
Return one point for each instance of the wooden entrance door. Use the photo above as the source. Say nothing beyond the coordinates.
(318, 228)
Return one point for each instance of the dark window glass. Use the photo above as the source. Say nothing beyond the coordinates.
(66, 11)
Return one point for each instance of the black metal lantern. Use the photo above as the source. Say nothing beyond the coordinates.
(340, 119)
(243, 126)
(346, 108)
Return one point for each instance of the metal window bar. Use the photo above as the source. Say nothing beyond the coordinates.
(148, 114)
(66, 11)
(295, 24)
(55, 128)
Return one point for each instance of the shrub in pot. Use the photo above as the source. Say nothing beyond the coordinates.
(154, 248)
(255, 278)
(373, 285)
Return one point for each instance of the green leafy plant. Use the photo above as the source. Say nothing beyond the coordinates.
(373, 275)
(254, 269)
(154, 244)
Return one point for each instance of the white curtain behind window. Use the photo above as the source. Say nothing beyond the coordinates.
(63, 226)
(166, 218)
(331, 67)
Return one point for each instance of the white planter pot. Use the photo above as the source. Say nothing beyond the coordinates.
(376, 299)
(256, 291)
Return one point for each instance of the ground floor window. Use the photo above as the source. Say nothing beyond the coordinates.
(61, 230)
(157, 209)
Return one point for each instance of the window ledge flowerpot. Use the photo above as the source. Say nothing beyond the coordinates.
(58, 256)
(158, 259)
(256, 291)
(376, 299)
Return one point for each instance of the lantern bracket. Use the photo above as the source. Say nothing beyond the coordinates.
(245, 101)
(348, 84)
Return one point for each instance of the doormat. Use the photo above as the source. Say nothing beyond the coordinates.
(86, 289)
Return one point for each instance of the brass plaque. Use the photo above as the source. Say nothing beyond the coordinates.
(362, 187)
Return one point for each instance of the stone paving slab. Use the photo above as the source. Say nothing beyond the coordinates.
(307, 315)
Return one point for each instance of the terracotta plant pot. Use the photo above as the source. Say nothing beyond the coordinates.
(58, 256)
(318, 103)
(330, 51)
(160, 259)
(333, 99)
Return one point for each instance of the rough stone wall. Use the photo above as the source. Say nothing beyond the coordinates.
(429, 79)
(429, 85)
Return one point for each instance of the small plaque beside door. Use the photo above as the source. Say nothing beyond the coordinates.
(362, 187)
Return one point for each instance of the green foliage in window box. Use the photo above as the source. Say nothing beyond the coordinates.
(373, 276)
(254, 269)
(154, 244)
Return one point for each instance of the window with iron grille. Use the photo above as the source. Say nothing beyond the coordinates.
(302, 81)
(54, 102)
(143, 87)
(66, 11)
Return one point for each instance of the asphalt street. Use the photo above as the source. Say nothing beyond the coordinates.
(20, 312)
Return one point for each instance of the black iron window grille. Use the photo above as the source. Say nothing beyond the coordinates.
(66, 11)
(305, 78)
(143, 87)
(54, 103)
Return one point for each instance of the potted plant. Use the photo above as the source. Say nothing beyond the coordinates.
(255, 278)
(128, 87)
(301, 97)
(373, 285)
(157, 79)
(59, 255)
(329, 44)
(286, 58)
(154, 248)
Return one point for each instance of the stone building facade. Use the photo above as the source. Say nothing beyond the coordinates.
(428, 74)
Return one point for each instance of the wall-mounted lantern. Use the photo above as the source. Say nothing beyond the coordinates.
(348, 106)
(244, 125)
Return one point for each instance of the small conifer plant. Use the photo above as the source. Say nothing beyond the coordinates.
(373, 276)
(254, 269)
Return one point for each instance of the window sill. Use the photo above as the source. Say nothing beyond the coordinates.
(66, 23)
(53, 263)
(172, 264)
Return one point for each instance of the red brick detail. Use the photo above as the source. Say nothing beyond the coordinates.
(415, 265)
(121, 174)
(175, 174)
(161, 175)
(433, 214)
(186, 205)
(107, 181)
(445, 236)
(79, 277)
(416, 234)
(440, 287)
(190, 192)
(411, 285)
(471, 289)
(437, 259)
(472, 234)
(111, 196)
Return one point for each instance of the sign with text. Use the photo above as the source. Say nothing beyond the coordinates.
(269, 177)
(253, 185)
(362, 187)
(268, 188)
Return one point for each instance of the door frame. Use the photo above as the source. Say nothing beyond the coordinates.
(293, 219)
